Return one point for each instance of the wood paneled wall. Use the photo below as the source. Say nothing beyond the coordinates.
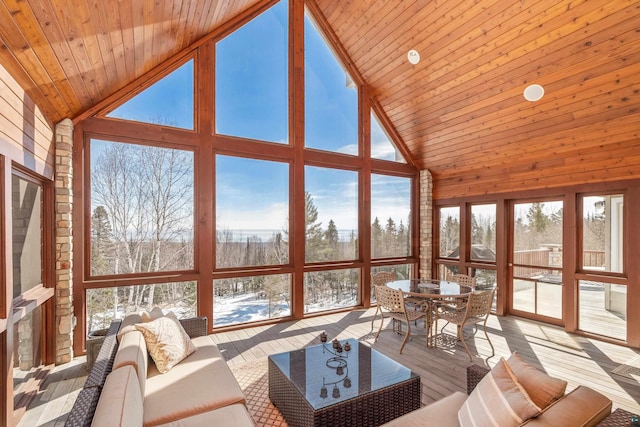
(26, 137)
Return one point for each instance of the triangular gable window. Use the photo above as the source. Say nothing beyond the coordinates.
(167, 102)
(382, 147)
(331, 97)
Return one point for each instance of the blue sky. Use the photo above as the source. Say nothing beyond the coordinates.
(252, 102)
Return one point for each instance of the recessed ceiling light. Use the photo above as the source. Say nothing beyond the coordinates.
(533, 92)
(413, 56)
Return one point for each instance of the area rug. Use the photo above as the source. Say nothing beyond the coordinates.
(630, 369)
(254, 381)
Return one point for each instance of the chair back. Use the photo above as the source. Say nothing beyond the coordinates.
(479, 303)
(463, 279)
(382, 277)
(390, 299)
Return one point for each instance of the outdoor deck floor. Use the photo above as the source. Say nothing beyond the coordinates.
(577, 359)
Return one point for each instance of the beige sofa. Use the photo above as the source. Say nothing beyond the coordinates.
(199, 390)
(580, 407)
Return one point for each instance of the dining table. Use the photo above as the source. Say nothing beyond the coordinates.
(429, 291)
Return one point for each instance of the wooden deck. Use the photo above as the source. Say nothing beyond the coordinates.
(574, 358)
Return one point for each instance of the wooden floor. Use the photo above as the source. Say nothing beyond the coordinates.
(575, 359)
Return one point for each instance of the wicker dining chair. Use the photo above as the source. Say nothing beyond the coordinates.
(463, 279)
(392, 303)
(474, 310)
(378, 279)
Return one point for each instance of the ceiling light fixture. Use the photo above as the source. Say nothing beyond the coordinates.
(413, 56)
(533, 92)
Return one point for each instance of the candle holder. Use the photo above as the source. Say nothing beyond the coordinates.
(338, 362)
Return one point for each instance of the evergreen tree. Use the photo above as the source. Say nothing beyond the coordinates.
(313, 242)
(538, 220)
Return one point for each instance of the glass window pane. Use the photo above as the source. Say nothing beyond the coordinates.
(391, 215)
(402, 271)
(252, 212)
(382, 146)
(328, 290)
(450, 232)
(331, 210)
(26, 222)
(331, 97)
(167, 102)
(142, 200)
(538, 290)
(602, 233)
(445, 271)
(107, 304)
(251, 299)
(537, 233)
(603, 309)
(483, 233)
(252, 97)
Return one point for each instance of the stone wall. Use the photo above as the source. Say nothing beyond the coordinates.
(64, 245)
(426, 223)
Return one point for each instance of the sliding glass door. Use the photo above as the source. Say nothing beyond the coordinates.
(536, 259)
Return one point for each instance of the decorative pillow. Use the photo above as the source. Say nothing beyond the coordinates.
(167, 342)
(149, 316)
(540, 387)
(497, 401)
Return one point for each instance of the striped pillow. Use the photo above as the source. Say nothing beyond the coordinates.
(497, 401)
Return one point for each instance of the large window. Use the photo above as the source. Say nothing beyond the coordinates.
(602, 233)
(537, 258)
(252, 212)
(250, 299)
(327, 290)
(331, 209)
(168, 102)
(390, 216)
(252, 79)
(141, 208)
(107, 304)
(449, 232)
(210, 183)
(331, 97)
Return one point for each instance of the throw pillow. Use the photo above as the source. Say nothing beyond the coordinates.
(155, 313)
(542, 388)
(497, 401)
(167, 342)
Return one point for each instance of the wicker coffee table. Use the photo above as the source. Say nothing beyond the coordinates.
(317, 386)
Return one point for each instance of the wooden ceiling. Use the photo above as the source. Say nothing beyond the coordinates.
(460, 110)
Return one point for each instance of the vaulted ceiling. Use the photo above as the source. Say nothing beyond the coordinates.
(460, 110)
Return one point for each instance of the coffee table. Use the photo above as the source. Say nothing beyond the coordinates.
(316, 386)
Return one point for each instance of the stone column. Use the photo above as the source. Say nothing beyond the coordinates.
(64, 245)
(426, 223)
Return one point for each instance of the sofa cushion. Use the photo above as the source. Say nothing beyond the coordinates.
(200, 383)
(132, 351)
(167, 342)
(128, 324)
(233, 415)
(582, 407)
(120, 403)
(442, 413)
(497, 401)
(540, 387)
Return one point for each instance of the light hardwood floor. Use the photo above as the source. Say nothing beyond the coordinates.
(574, 358)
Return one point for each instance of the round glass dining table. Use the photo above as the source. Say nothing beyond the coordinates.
(430, 288)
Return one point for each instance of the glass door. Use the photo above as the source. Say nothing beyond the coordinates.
(536, 260)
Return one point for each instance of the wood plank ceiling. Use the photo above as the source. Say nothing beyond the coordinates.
(460, 111)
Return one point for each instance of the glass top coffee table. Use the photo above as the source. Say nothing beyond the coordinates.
(358, 386)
